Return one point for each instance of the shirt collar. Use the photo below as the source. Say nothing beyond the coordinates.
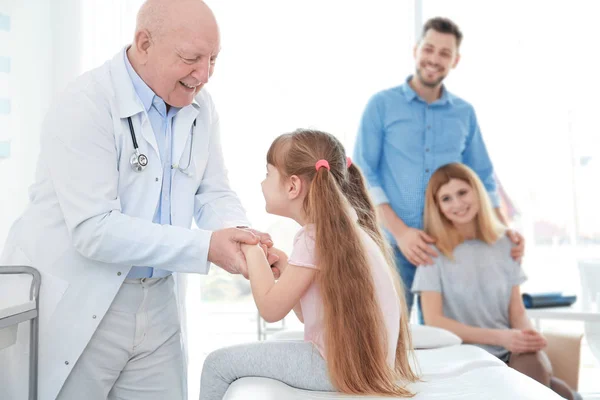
(143, 91)
(410, 94)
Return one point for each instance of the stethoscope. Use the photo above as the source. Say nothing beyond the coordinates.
(139, 161)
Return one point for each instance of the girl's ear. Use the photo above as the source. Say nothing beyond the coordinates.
(294, 187)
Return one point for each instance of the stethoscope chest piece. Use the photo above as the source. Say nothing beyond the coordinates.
(138, 161)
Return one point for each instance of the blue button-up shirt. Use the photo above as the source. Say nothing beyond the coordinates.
(402, 140)
(161, 121)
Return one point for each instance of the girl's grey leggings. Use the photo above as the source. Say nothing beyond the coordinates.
(295, 363)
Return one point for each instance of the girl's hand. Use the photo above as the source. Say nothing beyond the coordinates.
(248, 249)
(523, 341)
(271, 255)
(279, 258)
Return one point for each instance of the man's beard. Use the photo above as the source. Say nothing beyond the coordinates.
(429, 84)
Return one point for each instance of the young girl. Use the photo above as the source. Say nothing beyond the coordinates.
(473, 287)
(338, 280)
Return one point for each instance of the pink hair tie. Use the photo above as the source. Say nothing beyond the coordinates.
(322, 163)
(348, 162)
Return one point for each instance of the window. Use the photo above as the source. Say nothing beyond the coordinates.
(524, 67)
(286, 65)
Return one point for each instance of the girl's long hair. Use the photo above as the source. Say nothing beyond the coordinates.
(353, 320)
(488, 227)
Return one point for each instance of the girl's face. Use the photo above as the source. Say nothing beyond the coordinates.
(458, 202)
(274, 191)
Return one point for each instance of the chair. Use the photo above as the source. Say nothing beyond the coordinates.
(589, 272)
(564, 352)
(11, 316)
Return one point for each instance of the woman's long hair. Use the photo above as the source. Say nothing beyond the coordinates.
(488, 227)
(353, 320)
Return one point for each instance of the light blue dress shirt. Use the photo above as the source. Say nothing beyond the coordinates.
(402, 140)
(162, 123)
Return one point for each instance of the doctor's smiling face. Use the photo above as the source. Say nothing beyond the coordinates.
(175, 49)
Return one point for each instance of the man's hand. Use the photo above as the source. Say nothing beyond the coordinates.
(414, 244)
(225, 250)
(523, 341)
(265, 238)
(518, 249)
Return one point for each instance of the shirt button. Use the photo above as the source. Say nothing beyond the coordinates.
(156, 179)
(66, 363)
(427, 170)
(119, 274)
(427, 150)
(93, 316)
(428, 126)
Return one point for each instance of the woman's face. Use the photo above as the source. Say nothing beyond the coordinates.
(458, 202)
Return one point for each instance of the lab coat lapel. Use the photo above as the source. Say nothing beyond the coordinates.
(182, 128)
(128, 102)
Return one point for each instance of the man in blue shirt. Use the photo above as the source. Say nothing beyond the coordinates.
(409, 131)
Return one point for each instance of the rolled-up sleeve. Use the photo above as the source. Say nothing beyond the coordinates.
(477, 158)
(368, 149)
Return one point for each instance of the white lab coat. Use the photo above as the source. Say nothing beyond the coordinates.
(90, 215)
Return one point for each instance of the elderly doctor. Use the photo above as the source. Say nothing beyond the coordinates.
(129, 154)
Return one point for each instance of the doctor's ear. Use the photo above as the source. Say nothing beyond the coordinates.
(294, 187)
(143, 41)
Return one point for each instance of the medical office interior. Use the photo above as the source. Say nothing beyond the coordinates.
(528, 67)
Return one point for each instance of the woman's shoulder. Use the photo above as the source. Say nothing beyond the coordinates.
(502, 244)
(441, 258)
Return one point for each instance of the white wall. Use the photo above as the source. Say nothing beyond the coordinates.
(45, 52)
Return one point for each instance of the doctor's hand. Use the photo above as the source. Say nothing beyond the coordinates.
(225, 250)
(265, 238)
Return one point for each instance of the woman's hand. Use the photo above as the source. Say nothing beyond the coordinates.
(523, 341)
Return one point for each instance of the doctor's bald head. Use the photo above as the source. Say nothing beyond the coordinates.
(175, 47)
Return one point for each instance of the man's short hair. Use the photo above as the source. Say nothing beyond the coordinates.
(443, 25)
